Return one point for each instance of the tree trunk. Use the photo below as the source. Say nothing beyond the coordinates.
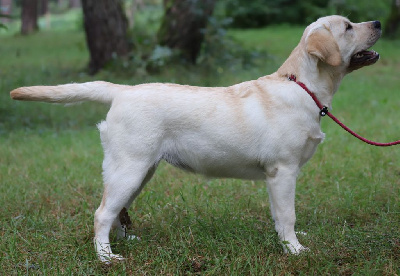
(6, 7)
(29, 16)
(43, 7)
(73, 4)
(393, 22)
(106, 31)
(183, 24)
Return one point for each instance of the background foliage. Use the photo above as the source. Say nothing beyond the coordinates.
(258, 13)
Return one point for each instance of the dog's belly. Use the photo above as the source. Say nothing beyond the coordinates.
(217, 165)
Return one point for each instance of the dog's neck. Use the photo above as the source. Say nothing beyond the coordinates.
(323, 80)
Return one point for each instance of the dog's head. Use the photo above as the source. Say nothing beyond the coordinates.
(340, 43)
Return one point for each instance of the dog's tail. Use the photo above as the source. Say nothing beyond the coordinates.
(98, 91)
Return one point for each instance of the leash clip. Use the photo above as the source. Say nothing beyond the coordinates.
(324, 111)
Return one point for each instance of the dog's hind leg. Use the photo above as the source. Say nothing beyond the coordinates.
(121, 185)
(281, 188)
(122, 222)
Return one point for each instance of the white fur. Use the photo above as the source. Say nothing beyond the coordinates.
(261, 129)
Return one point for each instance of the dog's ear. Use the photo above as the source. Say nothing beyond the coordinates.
(320, 43)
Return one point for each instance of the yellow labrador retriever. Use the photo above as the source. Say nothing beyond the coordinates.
(262, 129)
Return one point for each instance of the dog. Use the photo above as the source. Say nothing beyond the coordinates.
(261, 129)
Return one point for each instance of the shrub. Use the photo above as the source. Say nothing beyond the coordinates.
(259, 13)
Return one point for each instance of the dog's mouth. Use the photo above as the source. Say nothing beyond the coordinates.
(363, 58)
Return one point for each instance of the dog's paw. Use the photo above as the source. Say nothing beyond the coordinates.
(302, 250)
(295, 249)
(122, 233)
(110, 258)
(132, 238)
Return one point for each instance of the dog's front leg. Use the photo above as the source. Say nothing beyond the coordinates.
(281, 183)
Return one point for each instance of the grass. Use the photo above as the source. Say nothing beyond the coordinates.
(348, 195)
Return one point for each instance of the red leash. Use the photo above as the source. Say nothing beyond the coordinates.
(324, 111)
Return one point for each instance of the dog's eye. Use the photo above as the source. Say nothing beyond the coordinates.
(348, 26)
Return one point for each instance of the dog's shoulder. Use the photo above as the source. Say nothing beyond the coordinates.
(259, 87)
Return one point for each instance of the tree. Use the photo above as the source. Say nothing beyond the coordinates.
(73, 4)
(29, 16)
(183, 24)
(106, 31)
(393, 22)
(5, 12)
(43, 7)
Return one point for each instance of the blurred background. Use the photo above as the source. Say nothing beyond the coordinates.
(148, 34)
(50, 155)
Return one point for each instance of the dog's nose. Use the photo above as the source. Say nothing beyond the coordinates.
(377, 24)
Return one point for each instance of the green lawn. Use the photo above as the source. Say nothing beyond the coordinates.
(348, 195)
